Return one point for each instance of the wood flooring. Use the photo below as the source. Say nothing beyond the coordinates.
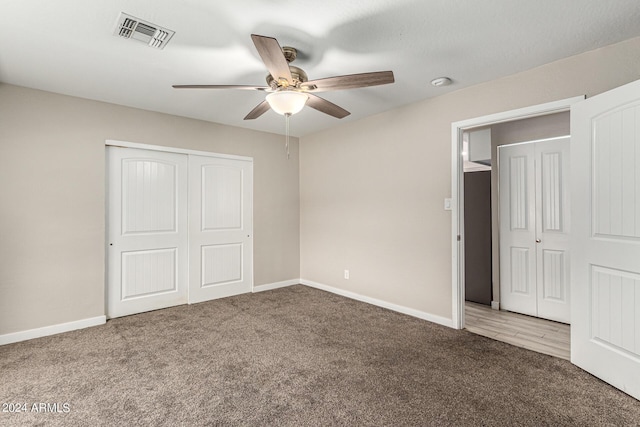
(543, 336)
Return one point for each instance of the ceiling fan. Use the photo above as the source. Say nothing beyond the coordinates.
(288, 86)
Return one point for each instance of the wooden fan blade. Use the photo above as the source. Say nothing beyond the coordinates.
(272, 56)
(243, 87)
(326, 107)
(259, 110)
(351, 81)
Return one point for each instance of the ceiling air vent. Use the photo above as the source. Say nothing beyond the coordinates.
(153, 35)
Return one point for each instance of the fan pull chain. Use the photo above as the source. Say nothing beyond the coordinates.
(286, 144)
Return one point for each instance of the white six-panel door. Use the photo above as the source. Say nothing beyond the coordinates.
(605, 168)
(534, 228)
(221, 227)
(147, 231)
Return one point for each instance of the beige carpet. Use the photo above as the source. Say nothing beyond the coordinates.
(294, 356)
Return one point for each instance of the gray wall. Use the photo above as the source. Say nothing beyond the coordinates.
(52, 214)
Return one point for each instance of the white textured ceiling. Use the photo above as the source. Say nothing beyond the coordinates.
(68, 47)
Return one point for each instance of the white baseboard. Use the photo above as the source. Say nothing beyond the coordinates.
(51, 330)
(380, 303)
(495, 305)
(100, 320)
(276, 285)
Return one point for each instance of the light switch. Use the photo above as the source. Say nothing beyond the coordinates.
(447, 204)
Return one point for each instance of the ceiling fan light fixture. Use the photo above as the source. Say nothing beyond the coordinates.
(287, 101)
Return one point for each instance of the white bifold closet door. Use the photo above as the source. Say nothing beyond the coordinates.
(179, 229)
(147, 247)
(534, 228)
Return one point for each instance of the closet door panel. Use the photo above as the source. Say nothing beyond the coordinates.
(517, 228)
(552, 229)
(147, 230)
(220, 227)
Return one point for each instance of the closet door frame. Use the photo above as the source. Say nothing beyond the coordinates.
(457, 192)
(543, 235)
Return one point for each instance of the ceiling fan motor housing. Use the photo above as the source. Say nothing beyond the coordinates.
(298, 75)
(290, 53)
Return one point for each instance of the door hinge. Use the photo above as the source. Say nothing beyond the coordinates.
(458, 237)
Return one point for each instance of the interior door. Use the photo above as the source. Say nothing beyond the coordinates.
(221, 227)
(553, 229)
(605, 264)
(147, 231)
(517, 228)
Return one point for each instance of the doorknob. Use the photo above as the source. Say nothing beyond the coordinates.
(538, 240)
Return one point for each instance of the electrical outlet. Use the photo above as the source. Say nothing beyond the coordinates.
(346, 274)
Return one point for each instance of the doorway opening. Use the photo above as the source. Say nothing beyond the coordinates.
(537, 122)
(516, 253)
